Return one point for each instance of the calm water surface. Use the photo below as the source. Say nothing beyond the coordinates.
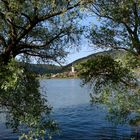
(78, 120)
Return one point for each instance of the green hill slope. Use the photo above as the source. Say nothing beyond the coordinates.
(47, 68)
(44, 68)
(113, 53)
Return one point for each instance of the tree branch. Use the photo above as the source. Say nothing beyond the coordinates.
(25, 15)
(128, 50)
(3, 40)
(46, 17)
(37, 20)
(137, 20)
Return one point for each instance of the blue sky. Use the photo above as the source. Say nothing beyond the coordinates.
(85, 49)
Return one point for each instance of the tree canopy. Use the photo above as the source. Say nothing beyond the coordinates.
(33, 28)
(22, 104)
(38, 28)
(119, 25)
(44, 29)
(113, 80)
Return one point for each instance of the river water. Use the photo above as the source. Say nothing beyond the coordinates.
(77, 118)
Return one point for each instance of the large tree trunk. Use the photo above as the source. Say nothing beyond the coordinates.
(5, 58)
(6, 55)
(136, 44)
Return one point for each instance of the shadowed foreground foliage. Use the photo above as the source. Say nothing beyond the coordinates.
(114, 84)
(113, 81)
(27, 112)
(41, 30)
(119, 26)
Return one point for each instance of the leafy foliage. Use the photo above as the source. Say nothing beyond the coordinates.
(119, 26)
(27, 112)
(130, 61)
(114, 84)
(38, 28)
(113, 81)
(104, 70)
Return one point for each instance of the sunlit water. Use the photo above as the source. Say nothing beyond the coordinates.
(78, 120)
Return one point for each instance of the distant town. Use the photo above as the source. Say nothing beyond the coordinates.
(67, 74)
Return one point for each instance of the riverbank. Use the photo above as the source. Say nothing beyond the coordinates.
(44, 77)
(64, 75)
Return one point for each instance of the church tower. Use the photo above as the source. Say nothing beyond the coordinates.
(72, 69)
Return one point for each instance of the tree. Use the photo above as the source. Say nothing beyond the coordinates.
(120, 25)
(37, 28)
(113, 80)
(22, 103)
(114, 84)
(42, 29)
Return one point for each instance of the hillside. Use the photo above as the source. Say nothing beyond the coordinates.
(44, 68)
(47, 68)
(113, 53)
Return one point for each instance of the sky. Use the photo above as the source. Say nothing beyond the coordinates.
(85, 49)
(74, 55)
